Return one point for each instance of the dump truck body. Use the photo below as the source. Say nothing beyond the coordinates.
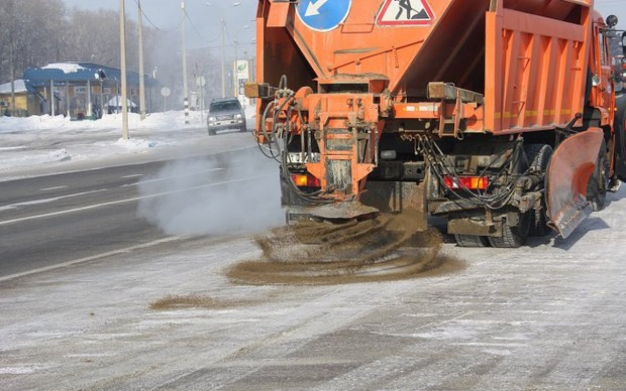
(476, 101)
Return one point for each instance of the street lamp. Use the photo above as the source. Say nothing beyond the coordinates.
(184, 44)
(142, 85)
(123, 70)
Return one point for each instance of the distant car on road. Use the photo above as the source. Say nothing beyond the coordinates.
(225, 113)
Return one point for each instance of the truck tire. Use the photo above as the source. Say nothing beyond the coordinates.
(620, 141)
(471, 241)
(599, 182)
(515, 236)
(539, 156)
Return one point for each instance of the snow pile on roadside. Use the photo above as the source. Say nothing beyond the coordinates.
(138, 143)
(156, 121)
(40, 122)
(32, 158)
(39, 140)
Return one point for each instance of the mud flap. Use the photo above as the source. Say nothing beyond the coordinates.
(341, 211)
(380, 197)
(572, 164)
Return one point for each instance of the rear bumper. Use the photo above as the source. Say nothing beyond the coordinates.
(224, 125)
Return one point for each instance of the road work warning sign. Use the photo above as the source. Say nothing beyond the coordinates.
(405, 12)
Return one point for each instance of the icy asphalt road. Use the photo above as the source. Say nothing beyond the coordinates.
(549, 316)
(59, 219)
(545, 317)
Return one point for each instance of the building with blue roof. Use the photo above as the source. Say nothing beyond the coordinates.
(83, 89)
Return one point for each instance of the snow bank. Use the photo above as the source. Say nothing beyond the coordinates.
(45, 139)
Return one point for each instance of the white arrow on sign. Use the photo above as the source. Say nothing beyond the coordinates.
(313, 8)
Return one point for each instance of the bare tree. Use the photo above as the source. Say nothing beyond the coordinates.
(44, 31)
(33, 32)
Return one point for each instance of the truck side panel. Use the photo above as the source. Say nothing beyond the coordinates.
(535, 69)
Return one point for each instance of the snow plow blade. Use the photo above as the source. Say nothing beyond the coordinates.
(572, 164)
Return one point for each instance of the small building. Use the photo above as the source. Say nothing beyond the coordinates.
(85, 88)
(28, 101)
(114, 105)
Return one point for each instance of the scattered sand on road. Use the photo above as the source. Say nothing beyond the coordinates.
(172, 302)
(389, 247)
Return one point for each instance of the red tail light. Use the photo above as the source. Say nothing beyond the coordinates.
(306, 180)
(469, 182)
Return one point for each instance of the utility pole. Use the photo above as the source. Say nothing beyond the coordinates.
(223, 22)
(12, 71)
(223, 32)
(235, 69)
(11, 65)
(123, 70)
(142, 86)
(185, 87)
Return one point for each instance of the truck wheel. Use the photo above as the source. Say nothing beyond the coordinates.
(599, 181)
(513, 237)
(471, 241)
(539, 156)
(620, 142)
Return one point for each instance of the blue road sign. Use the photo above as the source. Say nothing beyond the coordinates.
(323, 15)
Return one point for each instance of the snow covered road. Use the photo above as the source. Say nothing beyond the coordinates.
(549, 316)
(544, 317)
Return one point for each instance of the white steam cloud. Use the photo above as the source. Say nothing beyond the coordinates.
(214, 196)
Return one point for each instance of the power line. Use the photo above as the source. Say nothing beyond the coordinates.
(232, 45)
(195, 30)
(157, 27)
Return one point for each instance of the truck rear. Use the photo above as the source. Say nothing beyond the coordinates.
(499, 115)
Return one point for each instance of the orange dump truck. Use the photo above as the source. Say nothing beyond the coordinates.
(500, 115)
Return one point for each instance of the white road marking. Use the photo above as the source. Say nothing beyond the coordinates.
(53, 188)
(168, 178)
(124, 201)
(132, 176)
(12, 148)
(178, 176)
(47, 200)
(91, 258)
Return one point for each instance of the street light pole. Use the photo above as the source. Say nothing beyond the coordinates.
(223, 32)
(123, 70)
(11, 65)
(12, 72)
(184, 50)
(142, 86)
(223, 23)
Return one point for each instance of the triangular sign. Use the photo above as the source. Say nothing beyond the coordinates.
(405, 12)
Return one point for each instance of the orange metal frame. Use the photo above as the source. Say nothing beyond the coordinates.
(533, 56)
(534, 66)
(340, 111)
